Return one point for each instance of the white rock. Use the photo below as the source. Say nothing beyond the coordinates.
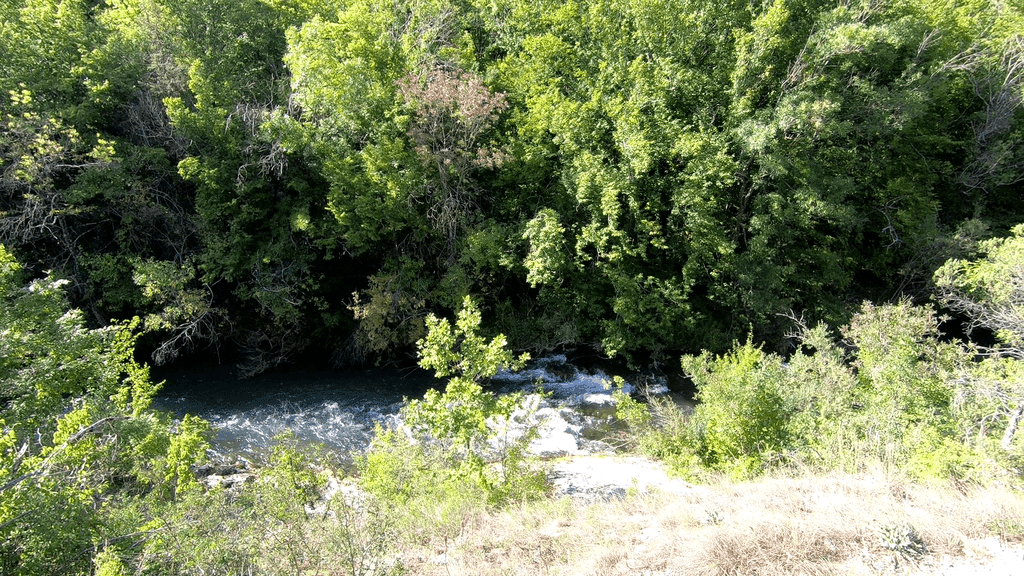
(595, 478)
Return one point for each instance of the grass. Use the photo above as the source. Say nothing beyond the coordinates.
(820, 524)
(796, 522)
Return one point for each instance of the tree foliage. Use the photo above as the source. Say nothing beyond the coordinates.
(990, 291)
(637, 176)
(655, 176)
(77, 436)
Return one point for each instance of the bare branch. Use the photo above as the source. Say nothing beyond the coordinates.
(43, 468)
(1000, 85)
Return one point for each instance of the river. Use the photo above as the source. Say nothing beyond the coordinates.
(339, 409)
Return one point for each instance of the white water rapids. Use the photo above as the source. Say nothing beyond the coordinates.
(339, 409)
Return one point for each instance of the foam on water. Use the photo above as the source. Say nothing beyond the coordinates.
(247, 434)
(335, 409)
(340, 410)
(566, 383)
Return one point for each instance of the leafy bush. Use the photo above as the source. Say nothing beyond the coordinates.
(78, 442)
(658, 428)
(422, 485)
(990, 291)
(742, 417)
(455, 450)
(627, 408)
(279, 524)
(892, 393)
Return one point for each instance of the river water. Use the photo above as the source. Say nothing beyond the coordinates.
(339, 409)
(335, 408)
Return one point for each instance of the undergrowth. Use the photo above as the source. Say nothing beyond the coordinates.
(891, 393)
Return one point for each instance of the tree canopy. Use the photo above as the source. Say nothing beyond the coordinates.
(641, 176)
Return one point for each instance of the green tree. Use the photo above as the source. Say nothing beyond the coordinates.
(646, 175)
(619, 100)
(989, 290)
(220, 70)
(402, 127)
(714, 168)
(78, 440)
(85, 189)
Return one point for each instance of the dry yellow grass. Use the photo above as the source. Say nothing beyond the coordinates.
(809, 525)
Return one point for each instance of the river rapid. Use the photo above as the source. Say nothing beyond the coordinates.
(339, 409)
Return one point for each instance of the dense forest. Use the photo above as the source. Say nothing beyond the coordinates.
(790, 195)
(658, 176)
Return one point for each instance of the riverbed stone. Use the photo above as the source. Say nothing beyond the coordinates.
(228, 482)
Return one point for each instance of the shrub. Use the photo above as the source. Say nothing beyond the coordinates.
(741, 418)
(278, 524)
(659, 429)
(892, 393)
(465, 422)
(455, 450)
(627, 409)
(421, 485)
(79, 444)
(990, 292)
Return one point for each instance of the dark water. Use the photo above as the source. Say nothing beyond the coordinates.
(335, 408)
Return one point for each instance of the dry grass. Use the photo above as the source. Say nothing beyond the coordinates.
(808, 525)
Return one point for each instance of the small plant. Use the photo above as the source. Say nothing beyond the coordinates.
(187, 447)
(298, 475)
(902, 538)
(108, 563)
(627, 409)
(455, 434)
(712, 518)
(1008, 529)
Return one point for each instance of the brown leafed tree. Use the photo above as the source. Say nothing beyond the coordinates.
(453, 113)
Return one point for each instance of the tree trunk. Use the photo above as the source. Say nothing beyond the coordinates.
(1011, 427)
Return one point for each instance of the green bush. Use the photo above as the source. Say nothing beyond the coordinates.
(465, 422)
(423, 486)
(280, 523)
(455, 454)
(627, 409)
(893, 393)
(741, 419)
(79, 445)
(990, 290)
